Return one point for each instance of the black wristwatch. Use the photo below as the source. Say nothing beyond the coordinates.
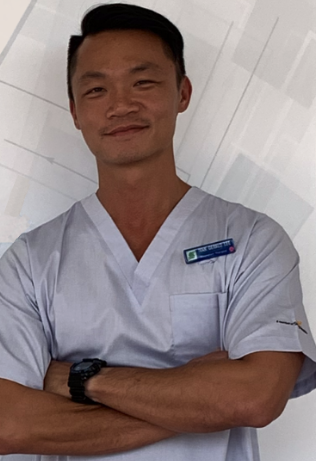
(79, 373)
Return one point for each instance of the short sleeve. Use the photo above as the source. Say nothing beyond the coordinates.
(24, 356)
(265, 310)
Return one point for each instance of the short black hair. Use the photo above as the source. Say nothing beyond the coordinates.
(119, 16)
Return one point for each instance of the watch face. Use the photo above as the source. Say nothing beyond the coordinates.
(82, 366)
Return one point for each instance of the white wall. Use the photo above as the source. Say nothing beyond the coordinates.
(249, 135)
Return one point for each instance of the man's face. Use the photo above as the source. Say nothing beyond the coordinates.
(126, 97)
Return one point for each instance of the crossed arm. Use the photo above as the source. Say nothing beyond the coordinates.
(144, 406)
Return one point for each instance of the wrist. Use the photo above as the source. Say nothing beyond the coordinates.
(95, 386)
(80, 373)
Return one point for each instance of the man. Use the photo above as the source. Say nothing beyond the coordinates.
(202, 345)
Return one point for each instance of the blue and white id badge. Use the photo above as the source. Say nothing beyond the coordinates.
(209, 251)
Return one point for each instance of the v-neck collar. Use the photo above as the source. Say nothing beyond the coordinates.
(139, 274)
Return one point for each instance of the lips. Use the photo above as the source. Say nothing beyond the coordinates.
(128, 129)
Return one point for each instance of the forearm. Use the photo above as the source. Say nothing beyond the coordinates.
(39, 422)
(206, 396)
(172, 398)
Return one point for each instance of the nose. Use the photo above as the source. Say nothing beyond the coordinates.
(120, 103)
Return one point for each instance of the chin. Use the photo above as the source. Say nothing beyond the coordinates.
(123, 158)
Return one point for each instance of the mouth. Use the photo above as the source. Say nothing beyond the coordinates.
(126, 130)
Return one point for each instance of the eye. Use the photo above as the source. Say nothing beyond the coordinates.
(95, 90)
(144, 82)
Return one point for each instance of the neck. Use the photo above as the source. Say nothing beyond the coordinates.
(133, 192)
(139, 198)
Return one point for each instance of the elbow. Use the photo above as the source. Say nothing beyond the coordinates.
(261, 413)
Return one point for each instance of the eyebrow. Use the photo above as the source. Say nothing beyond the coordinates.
(91, 75)
(96, 75)
(145, 66)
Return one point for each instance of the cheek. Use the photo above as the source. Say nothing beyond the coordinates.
(165, 113)
(90, 128)
(169, 117)
(89, 111)
(90, 122)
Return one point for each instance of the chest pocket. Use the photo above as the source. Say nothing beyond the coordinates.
(197, 324)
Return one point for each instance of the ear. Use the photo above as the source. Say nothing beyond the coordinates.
(73, 111)
(185, 94)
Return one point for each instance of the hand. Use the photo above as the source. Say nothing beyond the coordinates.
(56, 379)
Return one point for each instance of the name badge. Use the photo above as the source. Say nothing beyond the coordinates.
(209, 251)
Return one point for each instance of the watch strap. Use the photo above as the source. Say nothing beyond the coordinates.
(77, 379)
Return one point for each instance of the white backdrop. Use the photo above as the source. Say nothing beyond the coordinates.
(249, 135)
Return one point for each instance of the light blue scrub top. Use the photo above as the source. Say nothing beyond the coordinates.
(72, 288)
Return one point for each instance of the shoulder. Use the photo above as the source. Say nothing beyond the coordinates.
(238, 217)
(44, 239)
(57, 224)
(228, 210)
(255, 234)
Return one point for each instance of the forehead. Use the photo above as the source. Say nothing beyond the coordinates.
(123, 47)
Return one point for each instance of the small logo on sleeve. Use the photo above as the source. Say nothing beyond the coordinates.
(297, 324)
